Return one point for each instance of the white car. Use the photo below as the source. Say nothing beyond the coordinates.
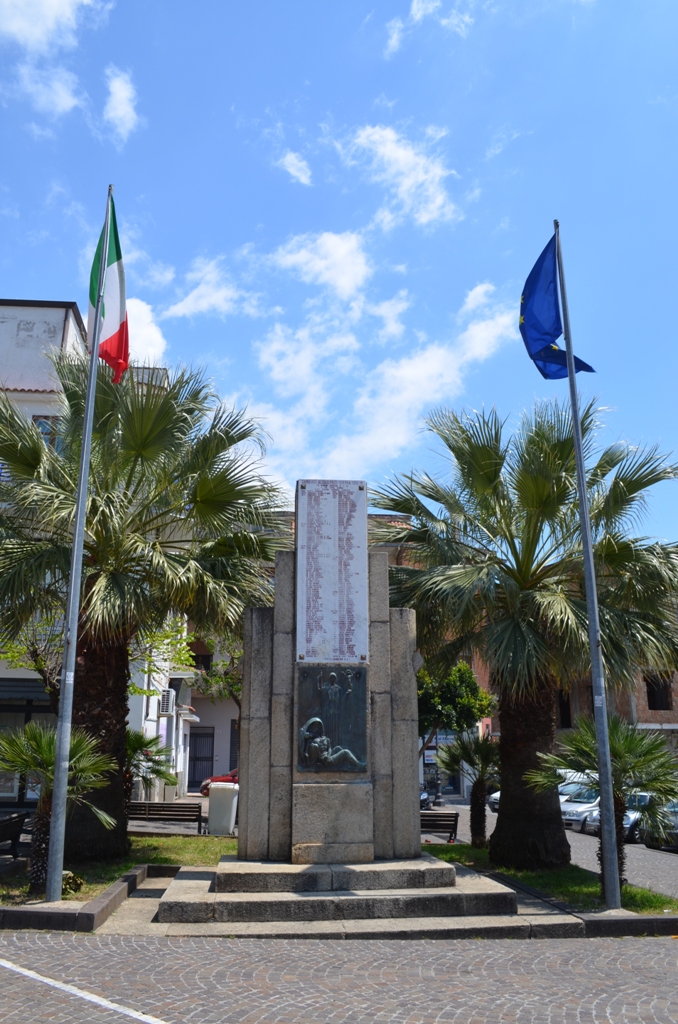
(572, 783)
(577, 807)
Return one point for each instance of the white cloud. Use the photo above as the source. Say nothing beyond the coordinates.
(387, 412)
(39, 25)
(53, 90)
(459, 23)
(395, 30)
(296, 166)
(213, 292)
(338, 261)
(146, 271)
(421, 8)
(476, 297)
(120, 110)
(293, 358)
(146, 341)
(390, 311)
(500, 140)
(414, 179)
(375, 415)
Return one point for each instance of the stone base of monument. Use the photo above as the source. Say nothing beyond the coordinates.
(390, 899)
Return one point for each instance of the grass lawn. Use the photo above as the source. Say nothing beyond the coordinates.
(573, 885)
(198, 850)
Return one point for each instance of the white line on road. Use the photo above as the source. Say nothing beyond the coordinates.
(82, 993)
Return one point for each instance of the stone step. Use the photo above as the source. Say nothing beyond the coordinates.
(495, 926)
(190, 897)
(426, 872)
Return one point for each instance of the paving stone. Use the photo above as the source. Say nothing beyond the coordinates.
(205, 979)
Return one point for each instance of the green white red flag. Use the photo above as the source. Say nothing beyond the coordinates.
(114, 337)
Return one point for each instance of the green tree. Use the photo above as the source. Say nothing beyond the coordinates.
(223, 680)
(147, 760)
(31, 752)
(494, 567)
(641, 763)
(450, 700)
(179, 523)
(477, 759)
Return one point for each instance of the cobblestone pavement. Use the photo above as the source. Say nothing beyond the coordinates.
(651, 869)
(196, 980)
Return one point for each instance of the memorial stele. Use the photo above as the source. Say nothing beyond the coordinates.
(328, 744)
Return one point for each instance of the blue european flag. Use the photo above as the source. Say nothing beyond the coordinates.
(540, 323)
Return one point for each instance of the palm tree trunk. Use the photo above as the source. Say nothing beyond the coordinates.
(529, 833)
(37, 874)
(478, 818)
(100, 708)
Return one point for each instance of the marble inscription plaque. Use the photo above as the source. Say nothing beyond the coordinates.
(332, 718)
(332, 592)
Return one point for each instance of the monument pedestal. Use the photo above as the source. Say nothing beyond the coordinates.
(307, 814)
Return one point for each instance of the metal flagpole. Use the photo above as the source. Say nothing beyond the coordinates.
(607, 829)
(55, 864)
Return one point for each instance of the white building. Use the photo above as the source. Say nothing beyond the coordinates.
(202, 736)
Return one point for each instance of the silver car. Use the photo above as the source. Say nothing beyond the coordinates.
(564, 790)
(577, 807)
(670, 837)
(632, 818)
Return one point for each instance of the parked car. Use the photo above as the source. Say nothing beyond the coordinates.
(670, 839)
(206, 783)
(577, 806)
(634, 806)
(571, 784)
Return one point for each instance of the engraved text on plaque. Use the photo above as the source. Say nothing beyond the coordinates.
(332, 593)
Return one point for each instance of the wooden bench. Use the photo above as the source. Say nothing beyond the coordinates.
(147, 810)
(440, 822)
(11, 828)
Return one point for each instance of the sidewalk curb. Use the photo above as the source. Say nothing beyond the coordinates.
(87, 918)
(604, 924)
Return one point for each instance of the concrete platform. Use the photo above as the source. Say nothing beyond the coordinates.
(535, 920)
(425, 872)
(191, 897)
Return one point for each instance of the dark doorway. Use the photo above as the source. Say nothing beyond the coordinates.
(200, 756)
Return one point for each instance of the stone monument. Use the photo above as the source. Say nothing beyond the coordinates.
(329, 831)
(328, 766)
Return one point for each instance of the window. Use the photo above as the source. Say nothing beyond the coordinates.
(203, 662)
(659, 696)
(47, 425)
(235, 746)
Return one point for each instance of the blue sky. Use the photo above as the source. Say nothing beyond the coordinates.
(333, 207)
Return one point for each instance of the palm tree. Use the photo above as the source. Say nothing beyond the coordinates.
(641, 763)
(494, 568)
(146, 759)
(477, 759)
(179, 522)
(31, 752)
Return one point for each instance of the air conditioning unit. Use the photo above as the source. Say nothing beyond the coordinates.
(167, 699)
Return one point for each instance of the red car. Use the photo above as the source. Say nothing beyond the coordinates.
(206, 783)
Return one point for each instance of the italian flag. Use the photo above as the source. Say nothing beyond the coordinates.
(114, 337)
